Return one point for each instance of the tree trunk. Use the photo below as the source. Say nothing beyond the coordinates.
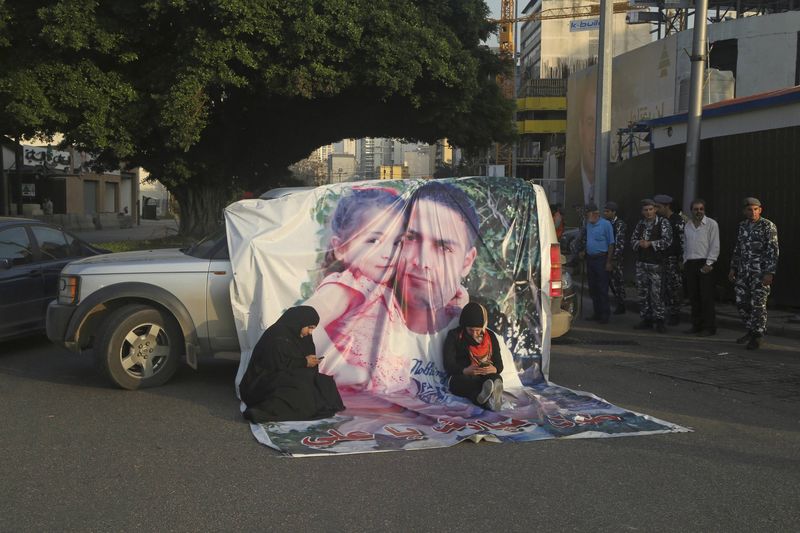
(201, 208)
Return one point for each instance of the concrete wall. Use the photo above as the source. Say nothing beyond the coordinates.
(74, 193)
(341, 167)
(646, 81)
(767, 55)
(558, 46)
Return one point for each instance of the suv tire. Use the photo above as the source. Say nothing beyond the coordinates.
(139, 347)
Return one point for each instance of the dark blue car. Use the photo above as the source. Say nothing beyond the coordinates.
(32, 254)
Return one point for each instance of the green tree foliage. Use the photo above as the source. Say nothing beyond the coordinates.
(214, 96)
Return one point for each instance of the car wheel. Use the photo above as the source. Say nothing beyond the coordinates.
(139, 346)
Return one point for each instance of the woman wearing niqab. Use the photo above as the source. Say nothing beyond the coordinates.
(282, 380)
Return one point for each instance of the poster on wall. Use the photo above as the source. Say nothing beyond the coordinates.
(643, 88)
(389, 266)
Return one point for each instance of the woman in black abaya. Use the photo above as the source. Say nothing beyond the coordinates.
(282, 381)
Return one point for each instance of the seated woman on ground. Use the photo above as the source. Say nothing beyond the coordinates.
(282, 381)
(472, 359)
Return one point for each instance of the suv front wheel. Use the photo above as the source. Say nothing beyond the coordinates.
(139, 347)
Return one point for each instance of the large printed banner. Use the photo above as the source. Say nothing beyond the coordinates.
(388, 266)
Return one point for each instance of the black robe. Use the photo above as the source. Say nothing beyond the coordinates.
(277, 384)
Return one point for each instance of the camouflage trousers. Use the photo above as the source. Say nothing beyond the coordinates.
(751, 300)
(648, 286)
(617, 284)
(672, 285)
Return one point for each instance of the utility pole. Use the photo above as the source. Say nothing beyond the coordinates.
(602, 140)
(698, 59)
(514, 56)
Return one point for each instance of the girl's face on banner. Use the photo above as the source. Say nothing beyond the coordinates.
(373, 250)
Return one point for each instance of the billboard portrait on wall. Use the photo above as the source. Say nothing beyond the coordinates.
(581, 118)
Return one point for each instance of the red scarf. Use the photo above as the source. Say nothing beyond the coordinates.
(479, 353)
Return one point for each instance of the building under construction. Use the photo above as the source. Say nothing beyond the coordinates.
(559, 37)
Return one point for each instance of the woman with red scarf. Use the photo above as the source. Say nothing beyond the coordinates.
(472, 359)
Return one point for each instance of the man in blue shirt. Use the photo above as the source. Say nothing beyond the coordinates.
(598, 249)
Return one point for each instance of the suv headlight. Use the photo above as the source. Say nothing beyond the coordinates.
(566, 280)
(68, 289)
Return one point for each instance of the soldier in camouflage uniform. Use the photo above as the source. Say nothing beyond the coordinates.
(673, 262)
(651, 238)
(617, 283)
(753, 265)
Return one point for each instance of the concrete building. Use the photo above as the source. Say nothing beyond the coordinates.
(345, 146)
(393, 172)
(420, 162)
(154, 197)
(550, 50)
(444, 155)
(421, 159)
(67, 178)
(749, 143)
(342, 167)
(553, 48)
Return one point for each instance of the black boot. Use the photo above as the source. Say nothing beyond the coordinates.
(644, 324)
(744, 338)
(754, 343)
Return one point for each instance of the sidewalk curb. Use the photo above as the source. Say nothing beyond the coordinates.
(731, 322)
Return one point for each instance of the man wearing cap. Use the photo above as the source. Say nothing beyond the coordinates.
(753, 265)
(673, 260)
(700, 252)
(597, 246)
(617, 281)
(650, 240)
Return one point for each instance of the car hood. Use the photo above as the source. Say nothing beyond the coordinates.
(170, 260)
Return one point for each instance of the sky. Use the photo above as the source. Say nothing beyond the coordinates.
(494, 6)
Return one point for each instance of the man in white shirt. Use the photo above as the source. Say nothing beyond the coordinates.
(701, 249)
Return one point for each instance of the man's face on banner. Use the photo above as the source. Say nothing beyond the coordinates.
(587, 128)
(436, 255)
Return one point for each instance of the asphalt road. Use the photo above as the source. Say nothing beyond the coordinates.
(77, 455)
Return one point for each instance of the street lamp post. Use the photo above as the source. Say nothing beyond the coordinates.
(603, 123)
(698, 59)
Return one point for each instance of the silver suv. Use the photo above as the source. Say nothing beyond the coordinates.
(140, 312)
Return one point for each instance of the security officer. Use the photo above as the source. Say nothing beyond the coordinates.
(651, 238)
(617, 279)
(673, 262)
(753, 265)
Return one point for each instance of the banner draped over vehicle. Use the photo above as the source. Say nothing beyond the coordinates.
(388, 265)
